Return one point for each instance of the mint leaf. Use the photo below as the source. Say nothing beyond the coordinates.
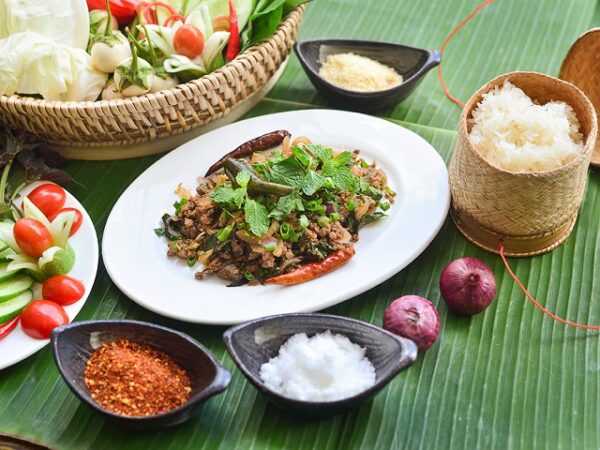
(313, 181)
(342, 177)
(286, 205)
(343, 159)
(257, 217)
(320, 151)
(289, 172)
(242, 178)
(228, 197)
(302, 156)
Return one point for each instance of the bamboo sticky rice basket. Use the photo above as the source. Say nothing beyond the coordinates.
(142, 125)
(532, 212)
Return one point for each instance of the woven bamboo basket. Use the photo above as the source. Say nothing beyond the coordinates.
(581, 67)
(156, 122)
(531, 213)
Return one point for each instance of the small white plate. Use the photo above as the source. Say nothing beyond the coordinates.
(17, 345)
(136, 259)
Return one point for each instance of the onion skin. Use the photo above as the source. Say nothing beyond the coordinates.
(468, 286)
(415, 318)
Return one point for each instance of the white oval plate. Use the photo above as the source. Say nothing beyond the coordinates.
(17, 345)
(136, 259)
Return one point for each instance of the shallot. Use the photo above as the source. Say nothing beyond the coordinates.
(415, 318)
(468, 286)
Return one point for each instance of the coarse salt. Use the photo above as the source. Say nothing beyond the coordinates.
(324, 367)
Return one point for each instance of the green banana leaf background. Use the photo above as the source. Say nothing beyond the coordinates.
(507, 378)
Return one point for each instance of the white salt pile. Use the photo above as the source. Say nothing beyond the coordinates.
(324, 367)
(516, 134)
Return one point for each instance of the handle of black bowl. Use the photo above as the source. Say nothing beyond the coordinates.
(219, 382)
(434, 59)
(409, 352)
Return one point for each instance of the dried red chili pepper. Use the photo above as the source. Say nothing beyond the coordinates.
(264, 142)
(7, 327)
(314, 270)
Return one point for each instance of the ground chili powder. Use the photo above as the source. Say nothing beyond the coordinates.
(131, 379)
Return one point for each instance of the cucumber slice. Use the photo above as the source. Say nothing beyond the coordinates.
(11, 308)
(4, 254)
(3, 246)
(14, 286)
(5, 274)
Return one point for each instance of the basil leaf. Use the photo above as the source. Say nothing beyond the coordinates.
(257, 217)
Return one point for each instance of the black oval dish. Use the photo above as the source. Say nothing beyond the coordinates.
(74, 343)
(254, 343)
(410, 62)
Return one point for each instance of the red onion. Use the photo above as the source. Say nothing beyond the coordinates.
(415, 318)
(468, 286)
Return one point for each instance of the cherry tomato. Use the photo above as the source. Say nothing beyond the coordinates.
(63, 290)
(48, 198)
(188, 41)
(76, 222)
(40, 317)
(32, 237)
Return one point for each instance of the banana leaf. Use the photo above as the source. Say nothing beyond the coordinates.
(507, 378)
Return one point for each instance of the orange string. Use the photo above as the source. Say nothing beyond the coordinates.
(533, 300)
(445, 43)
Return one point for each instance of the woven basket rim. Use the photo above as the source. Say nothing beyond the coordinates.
(588, 146)
(160, 95)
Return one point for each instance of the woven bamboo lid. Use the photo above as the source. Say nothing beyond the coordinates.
(581, 67)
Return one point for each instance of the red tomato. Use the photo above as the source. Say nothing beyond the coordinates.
(48, 198)
(188, 41)
(76, 222)
(32, 237)
(63, 290)
(40, 317)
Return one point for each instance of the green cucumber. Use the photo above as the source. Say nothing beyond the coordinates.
(4, 254)
(14, 286)
(13, 307)
(5, 274)
(3, 246)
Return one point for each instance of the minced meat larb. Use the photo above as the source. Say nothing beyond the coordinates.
(272, 212)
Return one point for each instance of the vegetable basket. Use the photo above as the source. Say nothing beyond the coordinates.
(152, 123)
(531, 212)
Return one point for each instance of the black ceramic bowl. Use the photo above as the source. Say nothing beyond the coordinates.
(74, 343)
(410, 62)
(254, 343)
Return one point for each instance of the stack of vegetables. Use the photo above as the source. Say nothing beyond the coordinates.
(34, 239)
(124, 48)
